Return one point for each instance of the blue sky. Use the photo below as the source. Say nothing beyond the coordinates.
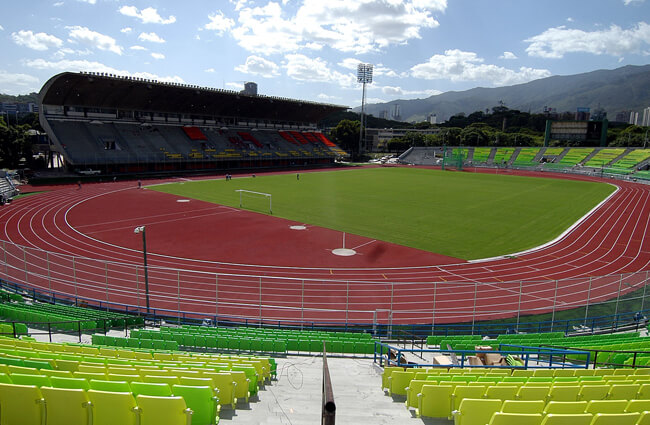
(309, 49)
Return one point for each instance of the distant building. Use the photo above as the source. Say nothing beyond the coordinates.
(646, 117)
(622, 116)
(433, 119)
(250, 89)
(384, 114)
(634, 118)
(377, 136)
(582, 114)
(397, 112)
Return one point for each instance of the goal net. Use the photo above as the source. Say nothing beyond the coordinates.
(255, 201)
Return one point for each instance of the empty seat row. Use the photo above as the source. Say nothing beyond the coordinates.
(497, 412)
(28, 404)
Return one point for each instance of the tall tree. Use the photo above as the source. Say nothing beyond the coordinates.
(346, 135)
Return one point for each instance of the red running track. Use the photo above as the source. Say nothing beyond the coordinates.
(207, 259)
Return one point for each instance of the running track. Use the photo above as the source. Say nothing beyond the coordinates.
(206, 260)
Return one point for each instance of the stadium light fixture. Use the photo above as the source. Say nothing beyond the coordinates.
(364, 76)
(141, 229)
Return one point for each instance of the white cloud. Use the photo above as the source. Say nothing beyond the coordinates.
(88, 1)
(90, 66)
(15, 84)
(61, 53)
(94, 39)
(349, 63)
(259, 66)
(1, 28)
(136, 47)
(457, 65)
(360, 26)
(58, 3)
(508, 55)
(210, 70)
(628, 2)
(302, 68)
(126, 30)
(239, 4)
(398, 91)
(327, 97)
(219, 23)
(157, 56)
(147, 16)
(235, 86)
(39, 41)
(151, 37)
(570, 19)
(615, 41)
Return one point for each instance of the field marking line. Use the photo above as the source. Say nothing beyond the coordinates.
(364, 244)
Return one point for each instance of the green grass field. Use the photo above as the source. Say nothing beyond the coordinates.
(463, 215)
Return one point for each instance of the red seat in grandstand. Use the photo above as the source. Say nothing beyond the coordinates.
(235, 141)
(286, 136)
(325, 140)
(311, 137)
(299, 137)
(250, 138)
(194, 133)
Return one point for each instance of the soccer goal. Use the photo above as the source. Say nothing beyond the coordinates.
(255, 200)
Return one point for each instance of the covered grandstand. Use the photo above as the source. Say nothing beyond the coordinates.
(112, 124)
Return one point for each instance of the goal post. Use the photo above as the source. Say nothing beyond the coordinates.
(253, 199)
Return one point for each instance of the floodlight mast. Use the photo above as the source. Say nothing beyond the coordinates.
(364, 76)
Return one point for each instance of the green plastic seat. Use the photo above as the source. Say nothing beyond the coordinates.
(67, 406)
(163, 410)
(27, 379)
(115, 386)
(69, 383)
(637, 406)
(475, 411)
(251, 375)
(151, 388)
(202, 401)
(526, 392)
(623, 391)
(111, 408)
(564, 393)
(158, 379)
(606, 406)
(21, 405)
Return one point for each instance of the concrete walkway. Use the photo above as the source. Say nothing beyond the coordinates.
(295, 398)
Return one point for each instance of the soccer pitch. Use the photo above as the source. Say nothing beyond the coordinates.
(463, 215)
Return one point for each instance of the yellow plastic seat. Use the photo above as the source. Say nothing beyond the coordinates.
(242, 385)
(615, 418)
(414, 388)
(623, 392)
(476, 411)
(466, 391)
(637, 406)
(593, 392)
(527, 392)
(644, 419)
(567, 419)
(563, 393)
(169, 380)
(523, 406)
(163, 410)
(226, 386)
(565, 407)
(112, 408)
(21, 405)
(516, 419)
(502, 392)
(398, 381)
(66, 406)
(388, 370)
(606, 406)
(433, 401)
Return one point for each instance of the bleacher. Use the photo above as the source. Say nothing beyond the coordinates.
(603, 157)
(83, 384)
(633, 158)
(503, 155)
(572, 158)
(526, 158)
(481, 155)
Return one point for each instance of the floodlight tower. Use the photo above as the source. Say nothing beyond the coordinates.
(364, 76)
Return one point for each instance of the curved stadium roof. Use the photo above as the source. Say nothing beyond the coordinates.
(95, 90)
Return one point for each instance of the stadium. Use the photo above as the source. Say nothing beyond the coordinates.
(204, 216)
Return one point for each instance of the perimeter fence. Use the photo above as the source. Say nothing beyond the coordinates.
(389, 308)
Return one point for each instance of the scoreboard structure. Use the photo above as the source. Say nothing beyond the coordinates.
(587, 133)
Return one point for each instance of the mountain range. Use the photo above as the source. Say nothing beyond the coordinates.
(618, 90)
